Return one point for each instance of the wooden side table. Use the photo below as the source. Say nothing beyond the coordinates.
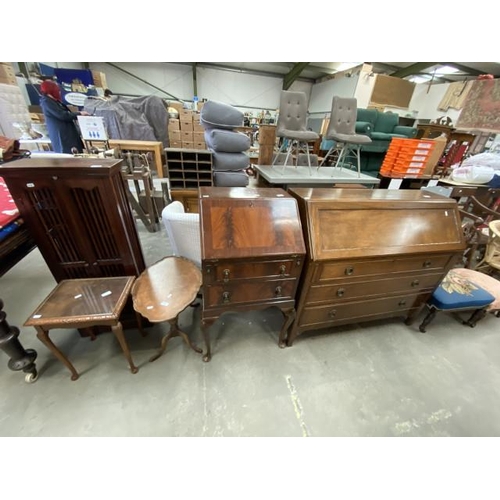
(163, 291)
(82, 303)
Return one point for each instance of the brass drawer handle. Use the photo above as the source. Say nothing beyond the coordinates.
(348, 271)
(427, 264)
(226, 297)
(402, 303)
(298, 262)
(282, 270)
(415, 283)
(332, 313)
(225, 274)
(340, 292)
(278, 292)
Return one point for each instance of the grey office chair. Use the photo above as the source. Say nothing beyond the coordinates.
(291, 125)
(342, 130)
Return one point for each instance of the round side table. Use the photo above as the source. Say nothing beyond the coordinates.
(163, 291)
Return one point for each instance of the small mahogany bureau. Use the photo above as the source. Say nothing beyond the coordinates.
(372, 254)
(252, 250)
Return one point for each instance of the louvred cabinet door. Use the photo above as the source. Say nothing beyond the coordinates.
(79, 215)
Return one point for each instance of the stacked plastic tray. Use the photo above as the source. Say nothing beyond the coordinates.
(407, 158)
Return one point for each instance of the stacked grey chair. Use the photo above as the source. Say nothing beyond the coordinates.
(227, 145)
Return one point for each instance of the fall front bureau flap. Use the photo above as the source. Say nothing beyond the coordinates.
(242, 223)
(349, 223)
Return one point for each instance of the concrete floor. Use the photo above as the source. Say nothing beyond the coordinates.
(372, 379)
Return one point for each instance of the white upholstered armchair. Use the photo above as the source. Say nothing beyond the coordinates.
(183, 230)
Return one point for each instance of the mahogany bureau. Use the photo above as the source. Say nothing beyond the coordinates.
(252, 250)
(372, 254)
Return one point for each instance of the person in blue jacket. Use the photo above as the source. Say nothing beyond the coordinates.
(63, 131)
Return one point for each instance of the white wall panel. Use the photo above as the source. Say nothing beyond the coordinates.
(66, 65)
(425, 100)
(255, 92)
(364, 88)
(239, 89)
(322, 93)
(176, 79)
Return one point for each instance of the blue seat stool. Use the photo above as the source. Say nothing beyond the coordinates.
(462, 290)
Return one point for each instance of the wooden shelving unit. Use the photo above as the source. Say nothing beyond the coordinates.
(189, 168)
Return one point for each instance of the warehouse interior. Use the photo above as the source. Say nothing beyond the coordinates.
(350, 387)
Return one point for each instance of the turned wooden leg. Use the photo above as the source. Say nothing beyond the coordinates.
(477, 315)
(163, 346)
(20, 358)
(175, 331)
(205, 325)
(174, 326)
(430, 316)
(118, 331)
(294, 332)
(290, 315)
(44, 338)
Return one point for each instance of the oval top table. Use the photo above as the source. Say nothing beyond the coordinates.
(163, 291)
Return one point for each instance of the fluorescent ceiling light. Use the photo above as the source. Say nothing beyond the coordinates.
(446, 70)
(419, 79)
(347, 65)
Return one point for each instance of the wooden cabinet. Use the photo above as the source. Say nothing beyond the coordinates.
(78, 214)
(372, 254)
(252, 252)
(433, 130)
(188, 197)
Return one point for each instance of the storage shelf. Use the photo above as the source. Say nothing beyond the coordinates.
(189, 168)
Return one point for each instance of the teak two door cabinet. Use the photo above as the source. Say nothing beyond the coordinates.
(372, 254)
(252, 253)
(78, 213)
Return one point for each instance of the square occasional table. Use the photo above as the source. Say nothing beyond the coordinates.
(81, 303)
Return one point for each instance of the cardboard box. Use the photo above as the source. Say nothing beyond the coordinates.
(435, 155)
(7, 71)
(200, 145)
(8, 81)
(37, 117)
(99, 79)
(187, 126)
(198, 128)
(174, 135)
(174, 124)
(186, 136)
(185, 115)
(188, 144)
(196, 117)
(198, 137)
(176, 144)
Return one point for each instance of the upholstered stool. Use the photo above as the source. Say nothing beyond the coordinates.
(461, 290)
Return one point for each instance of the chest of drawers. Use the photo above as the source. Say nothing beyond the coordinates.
(252, 252)
(372, 254)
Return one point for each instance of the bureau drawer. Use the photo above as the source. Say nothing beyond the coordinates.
(349, 291)
(336, 270)
(359, 310)
(224, 272)
(248, 292)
